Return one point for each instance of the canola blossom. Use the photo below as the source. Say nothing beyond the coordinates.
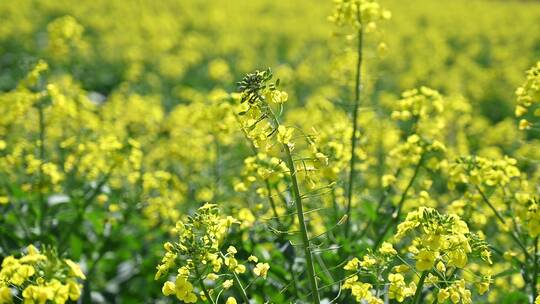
(40, 278)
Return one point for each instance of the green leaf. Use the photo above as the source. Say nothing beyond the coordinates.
(369, 209)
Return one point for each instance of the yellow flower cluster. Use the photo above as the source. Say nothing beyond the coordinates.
(528, 97)
(440, 246)
(261, 167)
(65, 36)
(199, 239)
(40, 278)
(88, 142)
(198, 255)
(441, 237)
(361, 291)
(529, 215)
(419, 111)
(480, 171)
(419, 105)
(419, 117)
(359, 13)
(374, 263)
(533, 219)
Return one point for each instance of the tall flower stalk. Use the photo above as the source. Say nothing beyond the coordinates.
(361, 16)
(257, 91)
(356, 104)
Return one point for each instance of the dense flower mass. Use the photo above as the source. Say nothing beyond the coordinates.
(39, 278)
(437, 256)
(359, 13)
(197, 255)
(528, 97)
(390, 154)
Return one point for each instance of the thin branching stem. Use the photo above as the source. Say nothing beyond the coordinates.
(397, 213)
(418, 294)
(303, 228)
(503, 221)
(240, 288)
(356, 104)
(217, 169)
(535, 270)
(386, 193)
(201, 284)
(42, 202)
(239, 285)
(299, 212)
(89, 198)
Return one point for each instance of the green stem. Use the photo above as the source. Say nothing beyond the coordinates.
(501, 219)
(535, 270)
(335, 205)
(217, 172)
(293, 278)
(21, 220)
(395, 217)
(87, 289)
(72, 228)
(238, 284)
(201, 284)
(303, 229)
(42, 203)
(386, 193)
(240, 288)
(271, 200)
(418, 293)
(299, 212)
(358, 78)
